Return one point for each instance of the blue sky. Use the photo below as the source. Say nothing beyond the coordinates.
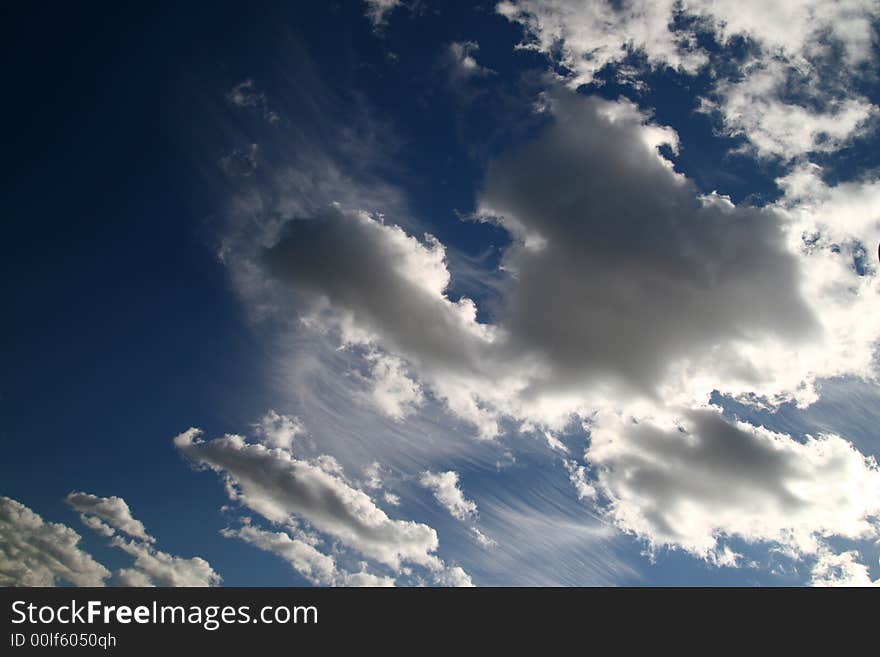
(523, 293)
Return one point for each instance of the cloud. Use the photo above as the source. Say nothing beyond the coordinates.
(586, 37)
(445, 487)
(38, 553)
(373, 473)
(780, 95)
(482, 539)
(694, 479)
(751, 106)
(608, 304)
(112, 510)
(319, 568)
(459, 60)
(152, 567)
(378, 11)
(246, 95)
(454, 576)
(622, 303)
(387, 289)
(577, 475)
(280, 487)
(647, 292)
(843, 569)
(609, 294)
(278, 431)
(393, 392)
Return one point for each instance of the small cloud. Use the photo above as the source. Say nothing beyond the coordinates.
(278, 431)
(577, 474)
(460, 61)
(379, 10)
(482, 539)
(106, 514)
(448, 494)
(246, 95)
(152, 567)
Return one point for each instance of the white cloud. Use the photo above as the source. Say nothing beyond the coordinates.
(453, 576)
(132, 577)
(314, 565)
(459, 60)
(751, 106)
(607, 300)
(677, 294)
(615, 300)
(112, 510)
(589, 36)
(153, 567)
(379, 10)
(693, 479)
(625, 296)
(279, 431)
(34, 552)
(843, 569)
(280, 487)
(778, 96)
(577, 475)
(393, 391)
(446, 490)
(482, 539)
(373, 473)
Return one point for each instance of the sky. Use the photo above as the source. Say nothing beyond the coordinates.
(412, 293)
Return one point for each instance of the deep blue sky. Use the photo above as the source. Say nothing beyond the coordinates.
(121, 328)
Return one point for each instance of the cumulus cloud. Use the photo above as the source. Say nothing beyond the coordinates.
(751, 106)
(695, 479)
(625, 291)
(614, 301)
(459, 60)
(454, 576)
(280, 487)
(319, 568)
(393, 391)
(278, 431)
(638, 289)
(609, 293)
(387, 288)
(378, 11)
(446, 491)
(843, 569)
(112, 510)
(770, 96)
(34, 552)
(589, 36)
(577, 475)
(152, 567)
(373, 473)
